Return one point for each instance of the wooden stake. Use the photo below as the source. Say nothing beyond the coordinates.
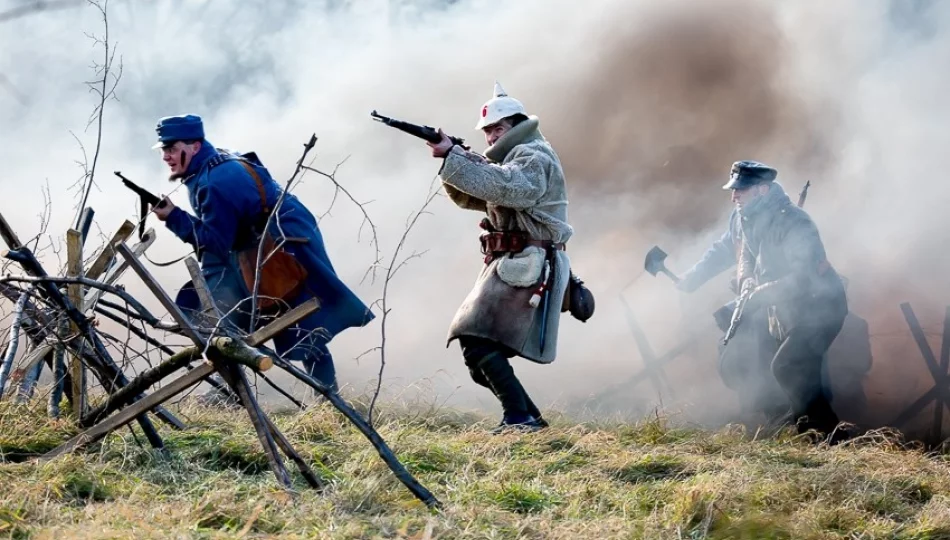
(99, 266)
(77, 371)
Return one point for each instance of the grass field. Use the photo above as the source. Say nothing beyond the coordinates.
(649, 480)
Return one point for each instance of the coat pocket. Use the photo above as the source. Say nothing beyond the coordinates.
(521, 269)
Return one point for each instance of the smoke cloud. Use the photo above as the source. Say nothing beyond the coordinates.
(647, 104)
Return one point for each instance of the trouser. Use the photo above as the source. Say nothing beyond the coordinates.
(232, 298)
(744, 366)
(489, 364)
(797, 367)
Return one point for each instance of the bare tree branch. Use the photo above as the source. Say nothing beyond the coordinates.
(274, 216)
(391, 271)
(374, 240)
(104, 87)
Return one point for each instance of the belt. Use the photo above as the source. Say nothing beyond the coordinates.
(495, 244)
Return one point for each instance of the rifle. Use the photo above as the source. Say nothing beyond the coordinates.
(423, 132)
(737, 316)
(803, 194)
(146, 199)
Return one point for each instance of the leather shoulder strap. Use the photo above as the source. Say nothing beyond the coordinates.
(260, 184)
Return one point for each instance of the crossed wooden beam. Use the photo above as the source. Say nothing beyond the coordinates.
(939, 394)
(86, 346)
(226, 355)
(652, 364)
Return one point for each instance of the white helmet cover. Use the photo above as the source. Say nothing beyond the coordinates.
(498, 107)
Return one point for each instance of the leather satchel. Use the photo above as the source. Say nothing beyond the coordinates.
(282, 278)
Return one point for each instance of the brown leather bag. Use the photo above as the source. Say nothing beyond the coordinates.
(282, 277)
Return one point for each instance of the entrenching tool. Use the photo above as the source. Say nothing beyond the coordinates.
(655, 263)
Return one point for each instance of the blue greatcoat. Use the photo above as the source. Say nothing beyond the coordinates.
(227, 203)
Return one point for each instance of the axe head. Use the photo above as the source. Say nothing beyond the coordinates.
(654, 260)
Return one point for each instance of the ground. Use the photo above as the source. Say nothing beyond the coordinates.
(650, 480)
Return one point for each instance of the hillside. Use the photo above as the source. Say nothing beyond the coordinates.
(571, 481)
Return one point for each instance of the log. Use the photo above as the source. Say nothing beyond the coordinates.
(242, 353)
(137, 409)
(169, 351)
(237, 380)
(141, 383)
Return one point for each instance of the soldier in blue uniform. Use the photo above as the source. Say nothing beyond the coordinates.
(231, 196)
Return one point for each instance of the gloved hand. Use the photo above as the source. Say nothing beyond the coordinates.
(747, 286)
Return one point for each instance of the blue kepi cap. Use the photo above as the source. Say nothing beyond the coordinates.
(187, 127)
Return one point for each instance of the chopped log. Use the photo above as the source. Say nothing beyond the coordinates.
(242, 353)
(238, 381)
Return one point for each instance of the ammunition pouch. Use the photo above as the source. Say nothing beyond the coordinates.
(578, 299)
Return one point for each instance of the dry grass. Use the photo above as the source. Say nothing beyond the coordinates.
(571, 481)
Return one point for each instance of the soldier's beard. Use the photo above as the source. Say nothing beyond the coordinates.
(181, 173)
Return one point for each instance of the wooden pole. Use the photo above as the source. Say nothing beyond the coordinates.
(77, 371)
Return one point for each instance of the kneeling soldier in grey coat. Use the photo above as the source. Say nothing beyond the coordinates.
(783, 270)
(515, 306)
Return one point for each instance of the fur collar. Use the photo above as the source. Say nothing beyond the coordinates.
(526, 131)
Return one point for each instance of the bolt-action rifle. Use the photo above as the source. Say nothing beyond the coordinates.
(425, 133)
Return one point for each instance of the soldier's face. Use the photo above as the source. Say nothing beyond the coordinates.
(495, 131)
(178, 156)
(742, 197)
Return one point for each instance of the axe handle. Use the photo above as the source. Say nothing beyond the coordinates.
(671, 275)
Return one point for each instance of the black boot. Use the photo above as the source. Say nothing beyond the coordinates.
(819, 416)
(507, 388)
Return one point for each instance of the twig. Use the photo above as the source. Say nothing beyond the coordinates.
(391, 271)
(274, 214)
(102, 88)
(374, 241)
(86, 282)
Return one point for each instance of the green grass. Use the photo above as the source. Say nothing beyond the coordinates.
(650, 480)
